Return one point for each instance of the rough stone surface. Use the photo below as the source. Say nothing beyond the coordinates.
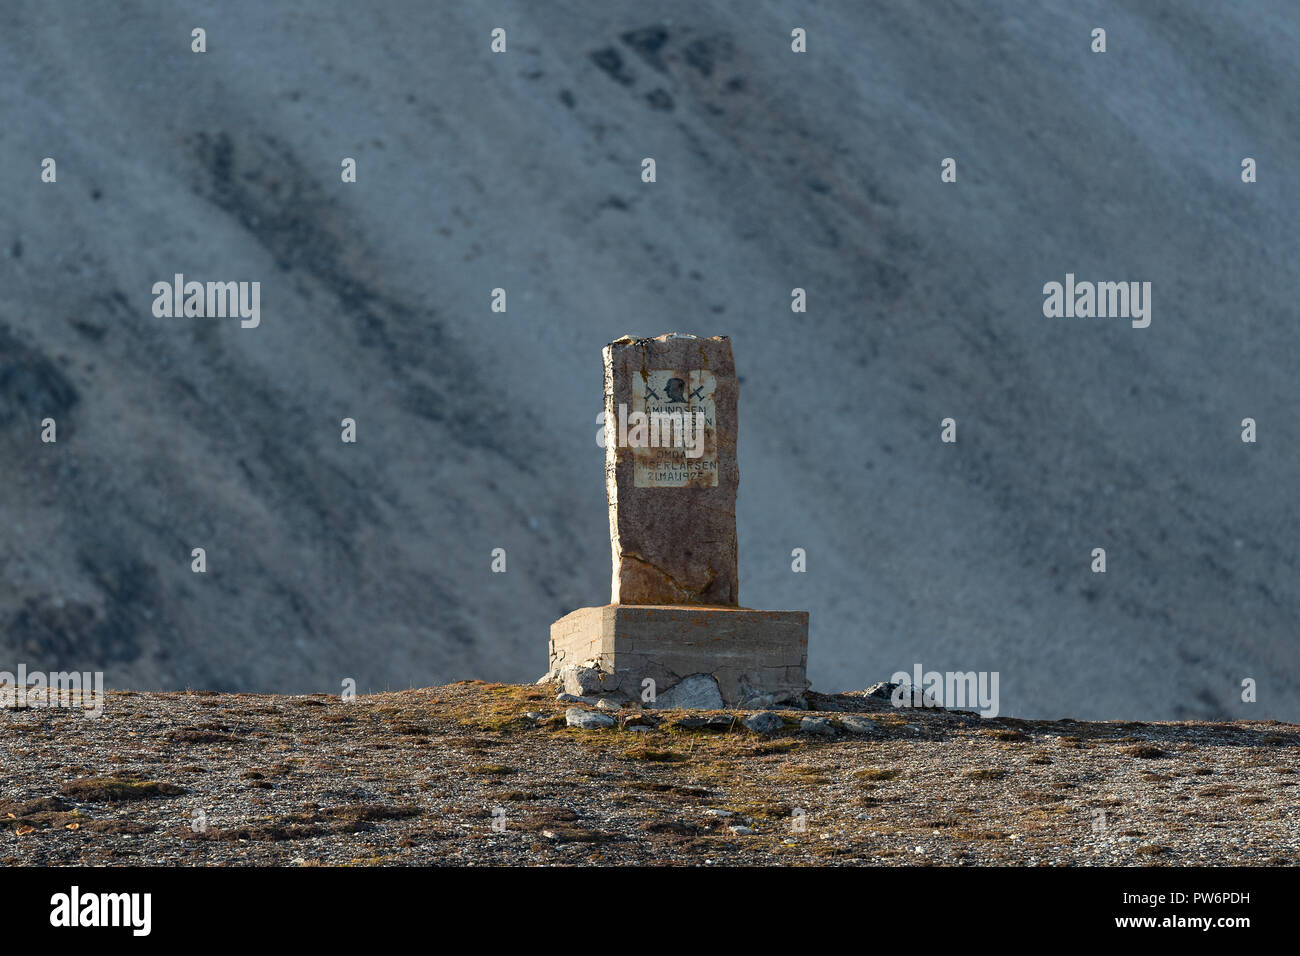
(916, 696)
(639, 720)
(858, 725)
(696, 692)
(747, 652)
(765, 722)
(582, 680)
(818, 726)
(714, 722)
(587, 719)
(672, 519)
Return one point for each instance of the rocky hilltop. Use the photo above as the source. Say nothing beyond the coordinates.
(507, 774)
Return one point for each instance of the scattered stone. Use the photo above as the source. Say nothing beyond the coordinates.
(858, 725)
(586, 679)
(604, 793)
(913, 696)
(586, 719)
(640, 720)
(817, 725)
(826, 702)
(581, 681)
(697, 692)
(765, 723)
(716, 722)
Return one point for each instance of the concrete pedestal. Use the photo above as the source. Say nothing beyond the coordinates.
(758, 658)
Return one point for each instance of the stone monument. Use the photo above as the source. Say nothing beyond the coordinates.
(674, 633)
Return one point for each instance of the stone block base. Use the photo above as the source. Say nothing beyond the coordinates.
(758, 658)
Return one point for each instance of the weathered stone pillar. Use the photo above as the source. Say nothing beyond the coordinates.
(674, 626)
(672, 508)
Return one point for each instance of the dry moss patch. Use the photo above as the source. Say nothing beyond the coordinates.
(117, 789)
(876, 773)
(1144, 752)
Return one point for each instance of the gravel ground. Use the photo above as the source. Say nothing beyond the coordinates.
(474, 773)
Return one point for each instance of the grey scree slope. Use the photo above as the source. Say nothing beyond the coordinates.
(775, 170)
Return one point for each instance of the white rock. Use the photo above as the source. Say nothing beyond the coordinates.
(581, 680)
(587, 719)
(697, 692)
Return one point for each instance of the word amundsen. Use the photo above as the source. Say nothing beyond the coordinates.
(213, 299)
(1102, 300)
(954, 689)
(59, 689)
(103, 909)
(653, 430)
